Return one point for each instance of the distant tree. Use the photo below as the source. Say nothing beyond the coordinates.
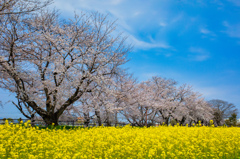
(222, 110)
(9, 119)
(20, 120)
(232, 120)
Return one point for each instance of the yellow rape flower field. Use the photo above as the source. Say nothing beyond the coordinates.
(17, 141)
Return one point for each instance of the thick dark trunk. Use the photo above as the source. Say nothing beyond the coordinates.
(190, 124)
(86, 119)
(33, 120)
(181, 122)
(97, 113)
(166, 120)
(108, 122)
(146, 118)
(50, 120)
(116, 119)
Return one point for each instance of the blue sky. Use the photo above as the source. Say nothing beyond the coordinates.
(194, 42)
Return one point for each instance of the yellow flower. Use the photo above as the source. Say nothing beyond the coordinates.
(127, 142)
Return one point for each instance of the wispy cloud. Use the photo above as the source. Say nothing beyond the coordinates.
(163, 24)
(169, 74)
(198, 54)
(147, 76)
(210, 92)
(106, 7)
(117, 2)
(205, 31)
(232, 30)
(140, 44)
(128, 18)
(236, 2)
(224, 92)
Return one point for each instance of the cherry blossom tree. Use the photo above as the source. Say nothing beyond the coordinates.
(152, 103)
(51, 63)
(12, 12)
(193, 108)
(22, 6)
(13, 33)
(141, 109)
(106, 104)
(159, 100)
(183, 105)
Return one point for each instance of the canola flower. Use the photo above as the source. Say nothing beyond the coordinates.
(17, 141)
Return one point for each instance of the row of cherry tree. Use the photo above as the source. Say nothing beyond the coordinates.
(56, 66)
(155, 101)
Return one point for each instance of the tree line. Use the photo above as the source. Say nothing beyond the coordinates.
(58, 67)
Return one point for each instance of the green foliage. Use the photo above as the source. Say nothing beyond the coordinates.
(173, 122)
(9, 119)
(232, 121)
(59, 127)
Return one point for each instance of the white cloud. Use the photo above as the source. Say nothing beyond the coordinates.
(210, 92)
(163, 24)
(227, 93)
(232, 30)
(137, 13)
(165, 72)
(217, 92)
(116, 2)
(205, 31)
(147, 45)
(201, 57)
(147, 76)
(106, 7)
(198, 54)
(236, 2)
(127, 17)
(168, 54)
(178, 18)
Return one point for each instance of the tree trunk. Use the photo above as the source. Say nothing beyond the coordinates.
(97, 113)
(116, 119)
(190, 124)
(32, 120)
(146, 118)
(181, 122)
(166, 120)
(108, 122)
(50, 120)
(86, 119)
